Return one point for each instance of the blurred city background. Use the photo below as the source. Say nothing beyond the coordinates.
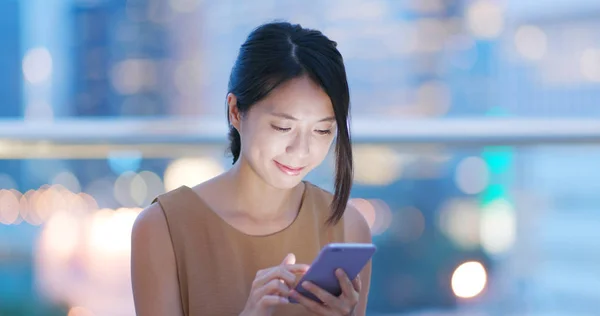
(477, 128)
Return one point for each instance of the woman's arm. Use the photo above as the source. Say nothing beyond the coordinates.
(357, 230)
(153, 268)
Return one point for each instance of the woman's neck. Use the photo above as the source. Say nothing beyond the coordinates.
(257, 200)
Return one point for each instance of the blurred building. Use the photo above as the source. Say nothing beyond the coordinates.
(10, 60)
(119, 60)
(550, 68)
(11, 84)
(13, 276)
(122, 68)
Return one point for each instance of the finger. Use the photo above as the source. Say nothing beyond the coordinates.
(296, 268)
(289, 259)
(260, 273)
(276, 273)
(273, 287)
(345, 283)
(311, 305)
(357, 283)
(290, 263)
(287, 274)
(323, 295)
(272, 300)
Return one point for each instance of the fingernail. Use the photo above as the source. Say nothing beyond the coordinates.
(305, 284)
(284, 300)
(339, 272)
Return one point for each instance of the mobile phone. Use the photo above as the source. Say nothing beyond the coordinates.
(350, 257)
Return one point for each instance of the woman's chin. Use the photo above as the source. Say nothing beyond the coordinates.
(283, 181)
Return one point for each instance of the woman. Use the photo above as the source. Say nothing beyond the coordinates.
(236, 244)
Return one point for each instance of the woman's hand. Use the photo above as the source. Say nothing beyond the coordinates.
(342, 305)
(271, 287)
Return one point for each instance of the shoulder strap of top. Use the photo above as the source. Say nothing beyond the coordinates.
(322, 202)
(182, 215)
(171, 196)
(177, 206)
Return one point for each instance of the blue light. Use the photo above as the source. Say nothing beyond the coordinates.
(124, 161)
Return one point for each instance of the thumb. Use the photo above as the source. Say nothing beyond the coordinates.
(289, 259)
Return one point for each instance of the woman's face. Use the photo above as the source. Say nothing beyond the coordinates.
(288, 133)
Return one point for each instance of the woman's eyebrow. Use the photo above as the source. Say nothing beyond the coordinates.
(289, 117)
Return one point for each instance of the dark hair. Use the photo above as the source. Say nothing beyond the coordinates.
(276, 52)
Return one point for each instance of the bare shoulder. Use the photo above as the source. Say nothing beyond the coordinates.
(356, 228)
(150, 238)
(153, 265)
(150, 222)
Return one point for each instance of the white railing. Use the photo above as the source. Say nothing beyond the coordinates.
(95, 138)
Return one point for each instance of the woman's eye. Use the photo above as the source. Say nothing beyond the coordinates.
(324, 131)
(280, 129)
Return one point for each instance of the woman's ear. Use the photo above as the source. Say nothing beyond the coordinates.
(233, 111)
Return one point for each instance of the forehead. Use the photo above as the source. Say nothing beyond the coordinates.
(300, 97)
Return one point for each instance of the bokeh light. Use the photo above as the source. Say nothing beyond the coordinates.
(37, 206)
(89, 200)
(26, 208)
(101, 189)
(590, 64)
(498, 226)
(153, 187)
(68, 180)
(61, 234)
(9, 207)
(469, 279)
(80, 257)
(366, 209)
(124, 189)
(49, 201)
(383, 216)
(531, 42)
(191, 171)
(485, 18)
(139, 190)
(376, 165)
(459, 219)
(134, 75)
(376, 212)
(472, 175)
(109, 229)
(37, 65)
(189, 75)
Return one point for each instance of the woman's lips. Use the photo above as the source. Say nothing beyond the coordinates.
(289, 170)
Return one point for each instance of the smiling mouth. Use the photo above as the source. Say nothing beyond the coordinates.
(289, 170)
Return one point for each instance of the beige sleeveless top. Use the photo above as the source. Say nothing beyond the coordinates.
(217, 263)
